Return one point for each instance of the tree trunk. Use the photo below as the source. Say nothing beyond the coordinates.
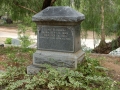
(104, 47)
(103, 44)
(108, 47)
(102, 22)
(47, 3)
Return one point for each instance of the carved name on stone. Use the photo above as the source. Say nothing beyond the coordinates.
(55, 33)
(58, 38)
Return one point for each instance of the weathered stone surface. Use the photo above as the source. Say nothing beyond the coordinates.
(32, 69)
(59, 13)
(59, 38)
(16, 42)
(58, 59)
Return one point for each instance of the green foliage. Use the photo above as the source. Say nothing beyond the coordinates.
(92, 11)
(8, 50)
(62, 3)
(71, 3)
(89, 76)
(21, 8)
(91, 67)
(77, 4)
(25, 39)
(8, 41)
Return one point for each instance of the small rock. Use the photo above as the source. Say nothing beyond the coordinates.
(1, 45)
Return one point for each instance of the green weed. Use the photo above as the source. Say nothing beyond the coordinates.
(8, 41)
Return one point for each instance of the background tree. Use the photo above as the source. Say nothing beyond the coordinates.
(102, 16)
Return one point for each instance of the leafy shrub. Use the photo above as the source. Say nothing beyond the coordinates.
(25, 39)
(8, 41)
(89, 76)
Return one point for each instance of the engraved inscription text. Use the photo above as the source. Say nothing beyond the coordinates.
(54, 33)
(57, 38)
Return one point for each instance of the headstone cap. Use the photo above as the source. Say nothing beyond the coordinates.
(59, 13)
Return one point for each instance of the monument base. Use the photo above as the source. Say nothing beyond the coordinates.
(32, 69)
(55, 59)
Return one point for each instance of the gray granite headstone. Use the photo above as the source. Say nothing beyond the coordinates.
(59, 14)
(58, 37)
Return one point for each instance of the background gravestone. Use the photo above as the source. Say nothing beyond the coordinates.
(16, 42)
(58, 38)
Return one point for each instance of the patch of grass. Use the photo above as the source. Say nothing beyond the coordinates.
(8, 41)
(12, 49)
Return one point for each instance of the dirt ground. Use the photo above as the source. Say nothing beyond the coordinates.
(108, 61)
(112, 63)
(11, 29)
